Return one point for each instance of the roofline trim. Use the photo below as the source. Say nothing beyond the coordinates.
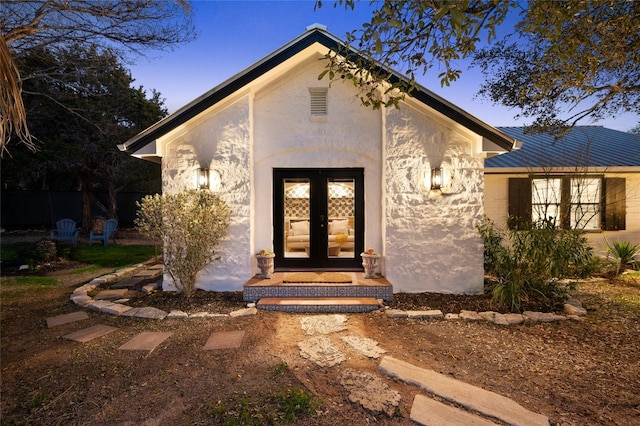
(287, 51)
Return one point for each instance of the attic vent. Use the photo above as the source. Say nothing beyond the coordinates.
(318, 102)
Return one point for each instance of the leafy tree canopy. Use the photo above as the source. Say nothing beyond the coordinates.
(85, 106)
(122, 26)
(564, 61)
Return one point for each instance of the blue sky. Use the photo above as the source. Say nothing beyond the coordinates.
(233, 35)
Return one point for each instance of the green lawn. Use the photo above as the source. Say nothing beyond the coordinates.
(97, 256)
(112, 256)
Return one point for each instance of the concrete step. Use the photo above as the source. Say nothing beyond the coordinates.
(428, 412)
(376, 288)
(318, 304)
(473, 398)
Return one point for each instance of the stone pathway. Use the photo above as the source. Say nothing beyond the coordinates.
(66, 318)
(90, 333)
(224, 340)
(471, 405)
(146, 341)
(463, 403)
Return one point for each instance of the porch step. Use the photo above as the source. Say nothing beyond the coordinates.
(319, 304)
(374, 288)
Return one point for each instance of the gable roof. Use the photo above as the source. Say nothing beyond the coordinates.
(583, 146)
(315, 34)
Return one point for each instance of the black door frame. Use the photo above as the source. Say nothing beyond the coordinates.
(318, 219)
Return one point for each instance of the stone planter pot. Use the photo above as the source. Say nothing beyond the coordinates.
(265, 263)
(370, 262)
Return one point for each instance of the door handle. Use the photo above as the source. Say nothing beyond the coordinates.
(321, 221)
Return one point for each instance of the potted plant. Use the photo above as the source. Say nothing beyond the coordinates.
(371, 262)
(265, 263)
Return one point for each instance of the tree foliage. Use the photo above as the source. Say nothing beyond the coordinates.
(412, 37)
(79, 111)
(191, 224)
(576, 57)
(573, 60)
(122, 26)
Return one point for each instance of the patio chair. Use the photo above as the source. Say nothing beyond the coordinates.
(108, 231)
(65, 231)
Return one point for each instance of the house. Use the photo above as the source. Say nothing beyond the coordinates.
(300, 161)
(588, 179)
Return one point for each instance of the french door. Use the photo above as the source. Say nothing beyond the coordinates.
(318, 218)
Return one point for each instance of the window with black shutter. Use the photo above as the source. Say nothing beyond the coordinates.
(570, 201)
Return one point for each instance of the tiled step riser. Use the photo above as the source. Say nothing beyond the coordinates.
(252, 294)
(312, 309)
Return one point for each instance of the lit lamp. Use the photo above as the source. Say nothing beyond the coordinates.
(436, 178)
(203, 178)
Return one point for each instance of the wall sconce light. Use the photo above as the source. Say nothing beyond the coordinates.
(203, 178)
(436, 178)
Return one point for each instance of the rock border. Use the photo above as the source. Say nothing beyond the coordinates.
(80, 297)
(572, 309)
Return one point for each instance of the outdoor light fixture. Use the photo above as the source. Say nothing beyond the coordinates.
(436, 178)
(203, 178)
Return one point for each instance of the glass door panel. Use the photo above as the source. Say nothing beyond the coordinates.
(341, 226)
(318, 218)
(297, 211)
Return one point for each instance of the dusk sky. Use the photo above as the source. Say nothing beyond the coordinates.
(232, 35)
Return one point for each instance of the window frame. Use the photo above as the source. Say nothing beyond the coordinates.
(612, 200)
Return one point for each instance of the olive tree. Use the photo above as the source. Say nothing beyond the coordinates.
(191, 225)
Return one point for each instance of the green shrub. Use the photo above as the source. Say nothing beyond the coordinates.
(622, 254)
(191, 224)
(528, 262)
(46, 250)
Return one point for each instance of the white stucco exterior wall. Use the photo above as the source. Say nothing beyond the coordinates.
(431, 239)
(286, 136)
(428, 238)
(219, 140)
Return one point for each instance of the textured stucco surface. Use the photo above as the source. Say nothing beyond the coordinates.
(431, 239)
(219, 140)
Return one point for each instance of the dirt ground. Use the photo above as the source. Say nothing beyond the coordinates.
(576, 373)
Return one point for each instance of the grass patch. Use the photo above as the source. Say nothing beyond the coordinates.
(86, 269)
(11, 252)
(16, 288)
(113, 256)
(283, 407)
(30, 281)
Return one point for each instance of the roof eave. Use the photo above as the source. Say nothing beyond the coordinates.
(287, 51)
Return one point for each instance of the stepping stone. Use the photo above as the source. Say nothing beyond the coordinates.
(111, 294)
(323, 324)
(146, 273)
(471, 397)
(145, 341)
(127, 283)
(427, 411)
(146, 312)
(88, 334)
(370, 391)
(66, 318)
(224, 340)
(321, 351)
(364, 345)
